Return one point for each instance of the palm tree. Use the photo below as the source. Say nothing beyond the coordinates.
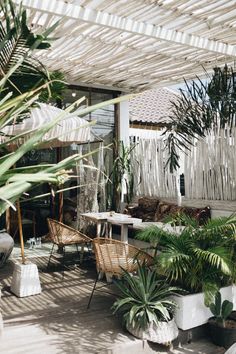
(201, 107)
(201, 258)
(17, 45)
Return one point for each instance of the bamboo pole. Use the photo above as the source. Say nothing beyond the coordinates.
(20, 232)
(8, 220)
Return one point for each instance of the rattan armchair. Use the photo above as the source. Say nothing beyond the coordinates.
(113, 256)
(63, 235)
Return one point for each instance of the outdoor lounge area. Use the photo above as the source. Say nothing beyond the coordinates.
(117, 177)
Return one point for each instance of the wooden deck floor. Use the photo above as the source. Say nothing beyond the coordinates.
(57, 321)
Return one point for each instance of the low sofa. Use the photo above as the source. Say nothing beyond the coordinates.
(155, 209)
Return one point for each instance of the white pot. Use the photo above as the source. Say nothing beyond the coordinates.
(192, 311)
(25, 280)
(1, 319)
(234, 296)
(162, 333)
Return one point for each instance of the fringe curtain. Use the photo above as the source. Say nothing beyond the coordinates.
(150, 176)
(210, 167)
(90, 178)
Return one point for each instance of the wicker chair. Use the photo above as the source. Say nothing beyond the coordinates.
(113, 256)
(63, 235)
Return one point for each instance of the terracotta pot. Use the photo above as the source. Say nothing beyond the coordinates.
(162, 333)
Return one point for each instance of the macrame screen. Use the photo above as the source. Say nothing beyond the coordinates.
(91, 179)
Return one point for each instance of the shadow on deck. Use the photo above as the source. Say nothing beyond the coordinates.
(57, 321)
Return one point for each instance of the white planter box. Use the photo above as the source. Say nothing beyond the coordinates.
(25, 280)
(1, 320)
(191, 310)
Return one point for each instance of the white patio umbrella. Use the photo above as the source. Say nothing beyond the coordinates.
(70, 129)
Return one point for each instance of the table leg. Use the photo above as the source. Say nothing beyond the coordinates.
(124, 233)
(99, 228)
(109, 230)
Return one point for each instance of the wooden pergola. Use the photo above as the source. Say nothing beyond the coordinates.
(134, 45)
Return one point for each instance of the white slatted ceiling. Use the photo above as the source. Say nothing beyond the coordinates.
(96, 48)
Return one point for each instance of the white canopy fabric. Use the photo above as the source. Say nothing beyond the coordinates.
(70, 129)
(134, 45)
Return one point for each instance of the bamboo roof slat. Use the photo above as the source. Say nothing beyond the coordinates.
(135, 45)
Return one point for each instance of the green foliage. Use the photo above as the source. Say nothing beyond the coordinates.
(144, 298)
(201, 107)
(221, 311)
(56, 88)
(17, 41)
(180, 219)
(200, 258)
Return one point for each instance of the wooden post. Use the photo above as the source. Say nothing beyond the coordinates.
(20, 232)
(61, 206)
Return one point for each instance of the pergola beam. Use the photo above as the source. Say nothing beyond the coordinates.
(105, 19)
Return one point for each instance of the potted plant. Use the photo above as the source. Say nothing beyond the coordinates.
(146, 306)
(199, 260)
(222, 329)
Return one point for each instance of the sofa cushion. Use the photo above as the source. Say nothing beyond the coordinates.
(148, 204)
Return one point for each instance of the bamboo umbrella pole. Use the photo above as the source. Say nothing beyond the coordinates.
(20, 232)
(8, 220)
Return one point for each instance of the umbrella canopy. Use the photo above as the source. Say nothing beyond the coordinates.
(70, 129)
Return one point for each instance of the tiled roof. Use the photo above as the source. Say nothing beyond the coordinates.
(152, 106)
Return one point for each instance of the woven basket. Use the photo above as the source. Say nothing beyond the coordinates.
(162, 333)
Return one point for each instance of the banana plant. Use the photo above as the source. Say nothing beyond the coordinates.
(14, 182)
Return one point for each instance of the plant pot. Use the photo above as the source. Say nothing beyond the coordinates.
(1, 320)
(162, 333)
(25, 280)
(222, 336)
(6, 247)
(192, 311)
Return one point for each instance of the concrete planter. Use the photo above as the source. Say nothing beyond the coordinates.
(162, 333)
(192, 311)
(25, 280)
